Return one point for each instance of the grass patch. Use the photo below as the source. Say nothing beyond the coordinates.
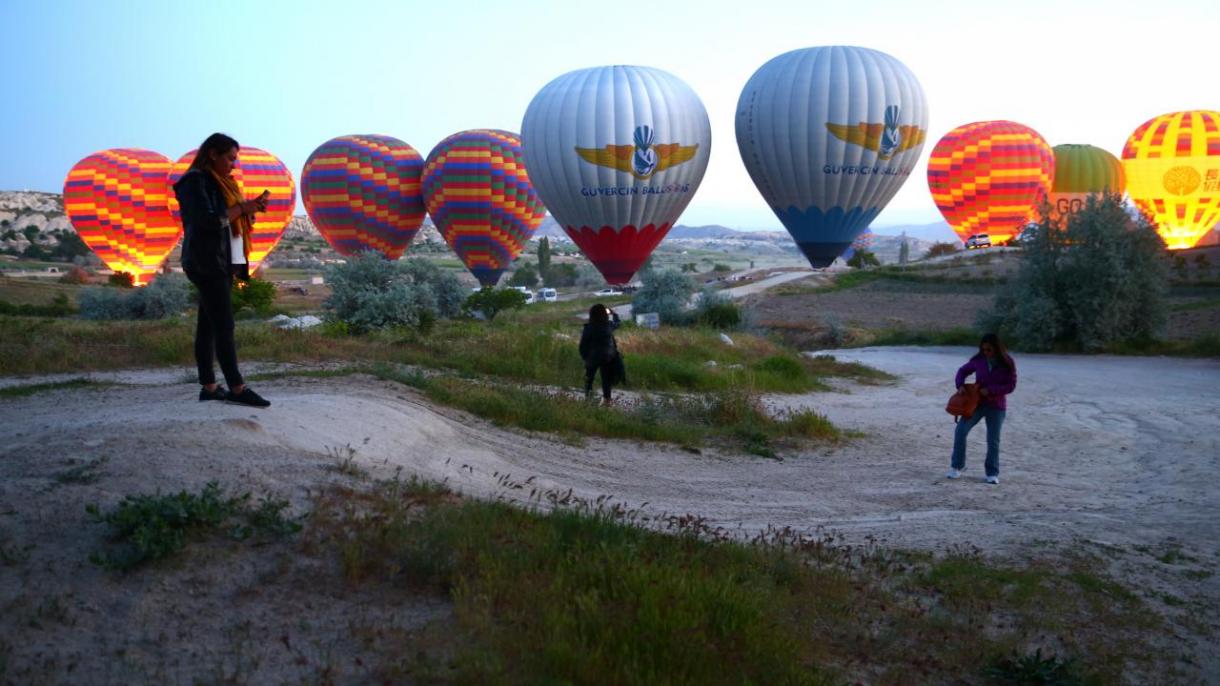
(32, 389)
(583, 593)
(86, 472)
(1203, 346)
(732, 418)
(955, 336)
(530, 351)
(146, 528)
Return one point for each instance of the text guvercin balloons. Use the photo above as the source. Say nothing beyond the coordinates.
(616, 154)
(829, 135)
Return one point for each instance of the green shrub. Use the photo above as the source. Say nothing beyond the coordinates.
(370, 292)
(492, 301)
(525, 275)
(863, 258)
(255, 294)
(151, 527)
(1098, 281)
(715, 309)
(121, 280)
(167, 296)
(666, 292)
(946, 248)
(59, 307)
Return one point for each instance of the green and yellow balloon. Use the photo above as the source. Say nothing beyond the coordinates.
(1081, 171)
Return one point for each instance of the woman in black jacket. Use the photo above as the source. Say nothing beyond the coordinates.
(598, 348)
(208, 216)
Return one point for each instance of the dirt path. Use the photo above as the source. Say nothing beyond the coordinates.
(1117, 454)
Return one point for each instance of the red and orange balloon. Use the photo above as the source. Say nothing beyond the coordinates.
(989, 177)
(118, 202)
(256, 171)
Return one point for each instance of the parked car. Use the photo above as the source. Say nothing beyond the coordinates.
(606, 292)
(529, 295)
(978, 240)
(548, 295)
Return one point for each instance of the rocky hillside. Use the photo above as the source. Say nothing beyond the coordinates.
(29, 217)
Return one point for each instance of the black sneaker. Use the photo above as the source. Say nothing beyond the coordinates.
(219, 394)
(247, 397)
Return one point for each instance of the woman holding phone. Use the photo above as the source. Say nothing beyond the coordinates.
(217, 220)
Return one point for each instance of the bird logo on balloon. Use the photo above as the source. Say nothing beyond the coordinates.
(886, 138)
(643, 158)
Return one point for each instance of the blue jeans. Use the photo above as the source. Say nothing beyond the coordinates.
(995, 419)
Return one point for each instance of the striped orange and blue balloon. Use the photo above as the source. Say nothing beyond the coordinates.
(117, 200)
(479, 196)
(256, 171)
(362, 192)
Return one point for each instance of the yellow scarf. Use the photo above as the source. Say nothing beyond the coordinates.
(234, 196)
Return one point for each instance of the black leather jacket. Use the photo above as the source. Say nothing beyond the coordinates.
(206, 251)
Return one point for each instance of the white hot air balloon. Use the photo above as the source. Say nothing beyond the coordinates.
(616, 154)
(829, 135)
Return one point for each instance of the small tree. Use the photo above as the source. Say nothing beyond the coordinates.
(1100, 280)
(721, 267)
(121, 280)
(945, 248)
(904, 251)
(863, 258)
(525, 275)
(493, 301)
(544, 259)
(666, 292)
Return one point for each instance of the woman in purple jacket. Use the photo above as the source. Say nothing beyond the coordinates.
(996, 374)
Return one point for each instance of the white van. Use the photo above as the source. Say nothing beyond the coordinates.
(529, 295)
(548, 295)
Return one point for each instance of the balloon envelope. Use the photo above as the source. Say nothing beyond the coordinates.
(1081, 171)
(117, 200)
(616, 153)
(829, 135)
(479, 196)
(256, 171)
(363, 193)
(1173, 174)
(988, 177)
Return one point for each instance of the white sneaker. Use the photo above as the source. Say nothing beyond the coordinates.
(953, 473)
(993, 480)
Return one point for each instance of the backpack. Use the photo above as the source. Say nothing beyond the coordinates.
(964, 402)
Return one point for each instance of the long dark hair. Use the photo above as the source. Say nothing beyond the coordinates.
(1001, 350)
(217, 143)
(598, 314)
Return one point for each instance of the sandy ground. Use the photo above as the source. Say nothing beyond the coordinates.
(1104, 453)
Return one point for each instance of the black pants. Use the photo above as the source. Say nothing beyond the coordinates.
(214, 330)
(607, 372)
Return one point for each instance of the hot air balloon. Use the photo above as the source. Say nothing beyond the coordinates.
(988, 177)
(362, 192)
(1173, 174)
(1081, 171)
(862, 242)
(616, 153)
(256, 171)
(480, 198)
(118, 202)
(829, 135)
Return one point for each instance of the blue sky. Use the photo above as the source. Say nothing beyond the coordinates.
(287, 76)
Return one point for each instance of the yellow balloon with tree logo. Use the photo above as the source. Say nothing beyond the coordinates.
(1173, 174)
